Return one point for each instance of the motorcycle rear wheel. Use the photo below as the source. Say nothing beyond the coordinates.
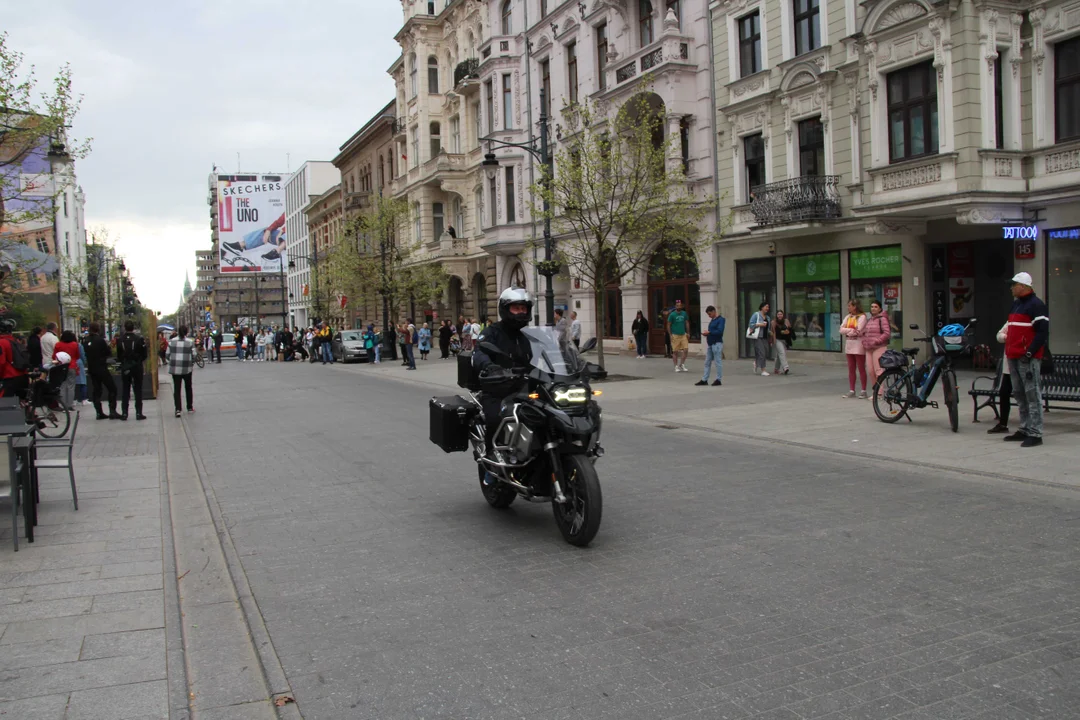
(499, 496)
(579, 518)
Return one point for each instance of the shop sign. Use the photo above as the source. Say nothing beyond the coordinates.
(961, 280)
(937, 264)
(1025, 249)
(812, 268)
(1069, 233)
(885, 262)
(939, 309)
(1020, 232)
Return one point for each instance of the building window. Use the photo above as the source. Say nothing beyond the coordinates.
(753, 163)
(999, 106)
(65, 204)
(913, 130)
(433, 75)
(508, 103)
(478, 201)
(543, 9)
(416, 222)
(571, 73)
(43, 245)
(415, 146)
(645, 22)
(436, 139)
(807, 26)
(750, 44)
(507, 18)
(489, 105)
(545, 85)
(493, 197)
(811, 148)
(476, 123)
(511, 208)
(437, 220)
(601, 55)
(455, 134)
(684, 144)
(458, 217)
(413, 89)
(1067, 90)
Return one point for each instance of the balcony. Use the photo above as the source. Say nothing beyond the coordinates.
(466, 70)
(399, 126)
(671, 49)
(796, 200)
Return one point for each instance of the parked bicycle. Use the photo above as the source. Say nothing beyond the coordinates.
(40, 402)
(903, 386)
(199, 359)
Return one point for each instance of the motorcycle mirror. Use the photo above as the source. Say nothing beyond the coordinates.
(971, 322)
(913, 326)
(588, 345)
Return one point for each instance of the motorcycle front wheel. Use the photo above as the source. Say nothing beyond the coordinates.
(499, 496)
(578, 518)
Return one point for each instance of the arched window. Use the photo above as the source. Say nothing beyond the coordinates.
(433, 75)
(413, 89)
(436, 139)
(470, 46)
(517, 276)
(458, 216)
(507, 20)
(478, 204)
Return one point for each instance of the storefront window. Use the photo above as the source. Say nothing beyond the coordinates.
(1063, 273)
(812, 300)
(876, 274)
(756, 284)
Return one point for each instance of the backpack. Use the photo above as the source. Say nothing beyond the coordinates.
(131, 362)
(20, 358)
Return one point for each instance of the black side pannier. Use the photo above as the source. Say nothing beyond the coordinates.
(450, 418)
(466, 376)
(893, 359)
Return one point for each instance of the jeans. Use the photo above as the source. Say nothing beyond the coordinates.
(1025, 376)
(714, 353)
(239, 352)
(378, 353)
(262, 352)
(781, 356)
(80, 392)
(177, 381)
(642, 340)
(327, 355)
(409, 355)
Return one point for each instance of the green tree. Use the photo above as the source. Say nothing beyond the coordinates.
(617, 195)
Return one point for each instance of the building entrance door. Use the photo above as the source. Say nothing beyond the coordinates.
(673, 275)
(756, 284)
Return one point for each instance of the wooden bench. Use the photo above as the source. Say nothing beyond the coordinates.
(1062, 385)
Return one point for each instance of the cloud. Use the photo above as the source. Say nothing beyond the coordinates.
(173, 88)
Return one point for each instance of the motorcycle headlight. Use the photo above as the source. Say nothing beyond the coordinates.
(566, 395)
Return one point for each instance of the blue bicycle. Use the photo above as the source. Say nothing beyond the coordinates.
(903, 386)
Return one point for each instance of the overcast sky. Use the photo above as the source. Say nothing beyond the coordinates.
(172, 88)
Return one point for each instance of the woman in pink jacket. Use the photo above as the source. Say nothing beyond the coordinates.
(852, 329)
(875, 339)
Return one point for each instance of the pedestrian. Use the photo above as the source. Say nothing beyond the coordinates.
(424, 336)
(131, 352)
(1005, 391)
(252, 345)
(640, 329)
(181, 364)
(97, 353)
(409, 343)
(474, 333)
(852, 329)
(48, 343)
(326, 347)
(782, 338)
(575, 329)
(758, 331)
(218, 339)
(33, 348)
(80, 380)
(68, 344)
(562, 328)
(714, 350)
(875, 341)
(261, 343)
(1025, 348)
(678, 327)
(464, 333)
(241, 343)
(369, 343)
(445, 333)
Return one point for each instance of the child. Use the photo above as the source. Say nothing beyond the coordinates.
(80, 384)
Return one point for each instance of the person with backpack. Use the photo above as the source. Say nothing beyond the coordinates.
(14, 361)
(132, 353)
(369, 343)
(97, 352)
(67, 346)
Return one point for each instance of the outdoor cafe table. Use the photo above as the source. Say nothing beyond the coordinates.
(24, 446)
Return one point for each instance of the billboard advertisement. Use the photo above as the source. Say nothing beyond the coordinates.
(251, 223)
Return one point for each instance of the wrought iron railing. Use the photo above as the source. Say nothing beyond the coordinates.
(466, 70)
(796, 200)
(399, 126)
(626, 72)
(651, 60)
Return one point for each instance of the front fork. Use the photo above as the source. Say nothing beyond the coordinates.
(552, 449)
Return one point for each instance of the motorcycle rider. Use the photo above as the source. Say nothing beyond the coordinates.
(515, 312)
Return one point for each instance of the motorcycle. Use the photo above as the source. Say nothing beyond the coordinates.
(547, 441)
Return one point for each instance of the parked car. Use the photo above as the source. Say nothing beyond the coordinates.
(228, 344)
(348, 346)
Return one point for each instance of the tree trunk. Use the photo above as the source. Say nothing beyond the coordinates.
(601, 297)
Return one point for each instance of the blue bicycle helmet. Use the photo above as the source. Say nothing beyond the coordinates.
(951, 330)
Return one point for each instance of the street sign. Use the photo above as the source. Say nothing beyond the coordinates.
(1025, 249)
(209, 317)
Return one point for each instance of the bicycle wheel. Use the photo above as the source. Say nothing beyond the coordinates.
(51, 423)
(200, 361)
(952, 401)
(892, 395)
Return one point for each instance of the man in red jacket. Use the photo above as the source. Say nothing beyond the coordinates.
(1025, 345)
(13, 380)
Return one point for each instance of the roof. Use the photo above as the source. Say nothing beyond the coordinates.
(389, 112)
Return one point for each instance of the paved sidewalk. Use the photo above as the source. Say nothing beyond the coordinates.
(805, 408)
(82, 628)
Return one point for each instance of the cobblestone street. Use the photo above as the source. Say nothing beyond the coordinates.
(730, 578)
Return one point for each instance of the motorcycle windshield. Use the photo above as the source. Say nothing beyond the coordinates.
(549, 357)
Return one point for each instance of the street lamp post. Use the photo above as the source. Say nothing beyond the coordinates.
(313, 260)
(548, 268)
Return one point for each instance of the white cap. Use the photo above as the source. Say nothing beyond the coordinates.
(1023, 278)
(62, 358)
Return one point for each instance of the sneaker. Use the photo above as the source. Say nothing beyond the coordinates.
(191, 409)
(998, 429)
(177, 413)
(862, 395)
(717, 383)
(683, 368)
(764, 374)
(700, 383)
(848, 394)
(677, 368)
(787, 370)
(1031, 442)
(140, 416)
(1016, 437)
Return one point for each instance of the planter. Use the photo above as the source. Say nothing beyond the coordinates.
(147, 385)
